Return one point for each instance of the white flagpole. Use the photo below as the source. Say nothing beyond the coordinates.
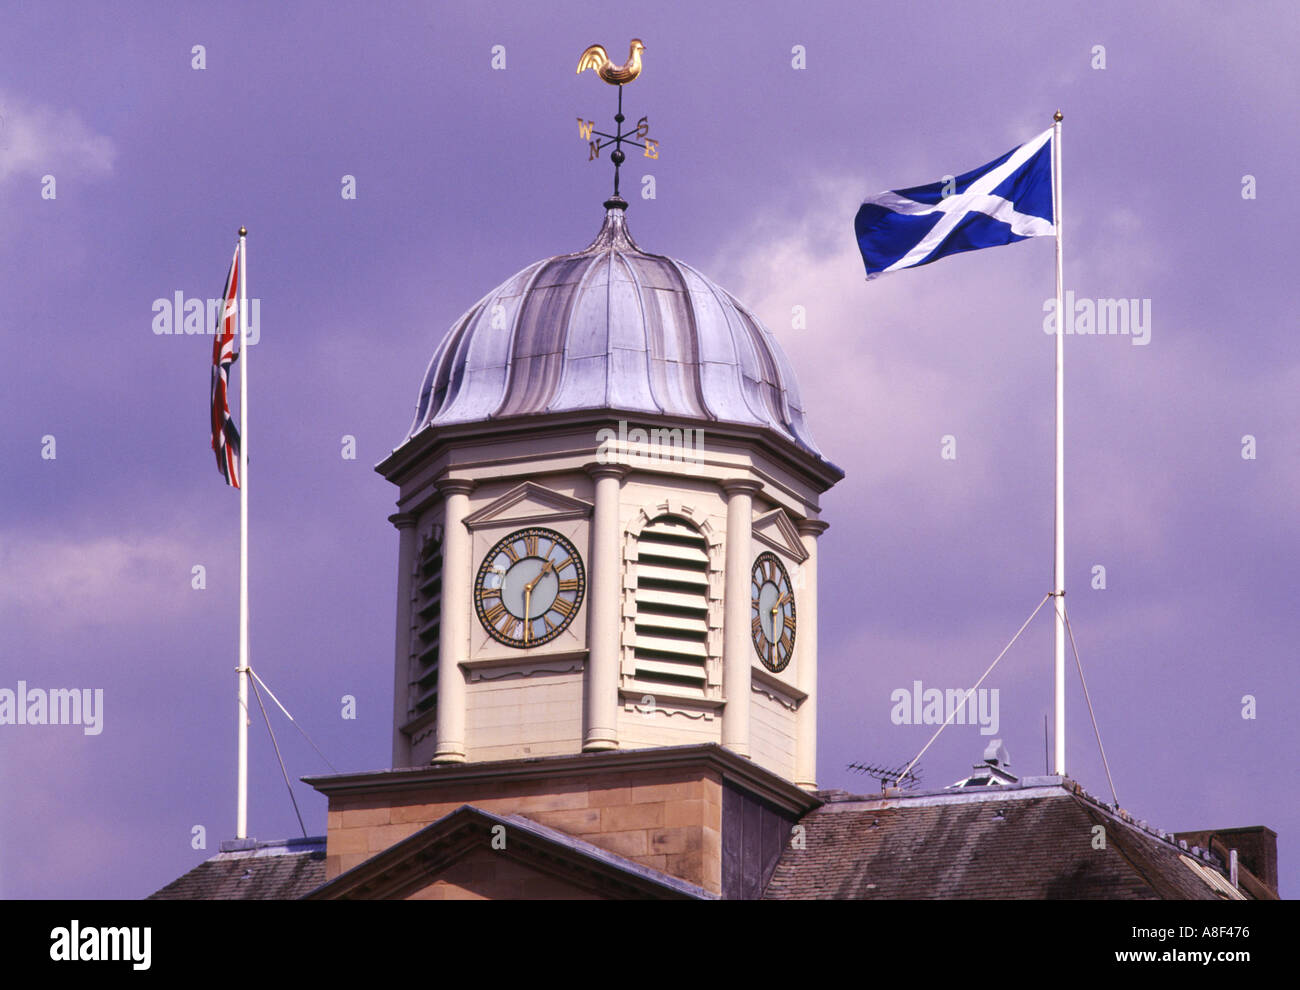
(1059, 568)
(241, 812)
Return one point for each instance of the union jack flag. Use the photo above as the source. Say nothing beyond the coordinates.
(225, 435)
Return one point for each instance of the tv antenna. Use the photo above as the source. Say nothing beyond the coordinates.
(890, 776)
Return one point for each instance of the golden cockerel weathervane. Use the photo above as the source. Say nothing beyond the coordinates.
(595, 57)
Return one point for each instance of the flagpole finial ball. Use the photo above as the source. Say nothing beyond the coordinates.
(1058, 116)
(243, 231)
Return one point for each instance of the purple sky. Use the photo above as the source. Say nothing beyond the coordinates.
(464, 176)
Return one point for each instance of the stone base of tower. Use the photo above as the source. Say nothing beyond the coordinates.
(700, 814)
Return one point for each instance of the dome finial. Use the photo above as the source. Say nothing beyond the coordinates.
(613, 232)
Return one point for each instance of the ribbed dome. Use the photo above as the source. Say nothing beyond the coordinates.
(612, 327)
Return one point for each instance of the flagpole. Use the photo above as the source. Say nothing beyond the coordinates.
(1059, 563)
(241, 807)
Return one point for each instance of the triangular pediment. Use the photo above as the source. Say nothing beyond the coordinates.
(472, 853)
(777, 531)
(530, 502)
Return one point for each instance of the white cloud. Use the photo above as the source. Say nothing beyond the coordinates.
(93, 580)
(36, 140)
(888, 367)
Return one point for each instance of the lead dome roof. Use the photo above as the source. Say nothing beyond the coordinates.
(614, 328)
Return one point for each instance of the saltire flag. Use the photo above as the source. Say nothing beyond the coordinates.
(1007, 200)
(225, 435)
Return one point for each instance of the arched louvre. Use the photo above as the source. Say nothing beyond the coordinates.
(670, 651)
(426, 623)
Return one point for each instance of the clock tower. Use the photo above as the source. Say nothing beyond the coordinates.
(608, 515)
(608, 519)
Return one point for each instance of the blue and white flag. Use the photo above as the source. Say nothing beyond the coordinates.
(1007, 200)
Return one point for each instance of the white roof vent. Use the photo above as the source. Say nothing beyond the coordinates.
(992, 772)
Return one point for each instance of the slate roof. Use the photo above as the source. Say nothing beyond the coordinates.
(263, 871)
(1031, 840)
(1021, 842)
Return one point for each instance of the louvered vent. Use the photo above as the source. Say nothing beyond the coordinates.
(672, 588)
(426, 615)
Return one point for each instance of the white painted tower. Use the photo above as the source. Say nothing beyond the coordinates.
(608, 517)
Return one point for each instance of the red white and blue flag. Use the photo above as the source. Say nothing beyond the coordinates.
(225, 435)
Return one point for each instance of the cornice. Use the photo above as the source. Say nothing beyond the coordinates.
(702, 756)
(819, 472)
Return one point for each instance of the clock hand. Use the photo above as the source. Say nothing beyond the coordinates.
(776, 608)
(540, 574)
(528, 596)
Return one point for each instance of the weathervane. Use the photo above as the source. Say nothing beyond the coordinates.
(595, 57)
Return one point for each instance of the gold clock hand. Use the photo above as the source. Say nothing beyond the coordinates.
(540, 574)
(528, 625)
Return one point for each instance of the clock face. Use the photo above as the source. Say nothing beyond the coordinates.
(529, 587)
(772, 612)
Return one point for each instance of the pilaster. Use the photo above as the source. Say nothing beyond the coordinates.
(805, 751)
(736, 625)
(453, 637)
